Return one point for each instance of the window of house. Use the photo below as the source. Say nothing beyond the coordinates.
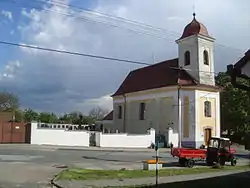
(119, 112)
(207, 109)
(142, 111)
(206, 58)
(187, 58)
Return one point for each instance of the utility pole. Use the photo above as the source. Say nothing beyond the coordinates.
(157, 163)
(179, 109)
(158, 125)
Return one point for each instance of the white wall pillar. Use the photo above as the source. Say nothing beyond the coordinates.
(152, 134)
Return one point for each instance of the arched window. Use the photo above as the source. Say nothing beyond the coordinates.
(207, 109)
(142, 111)
(119, 112)
(205, 57)
(187, 58)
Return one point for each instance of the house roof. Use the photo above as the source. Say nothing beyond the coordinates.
(194, 28)
(243, 61)
(109, 116)
(158, 75)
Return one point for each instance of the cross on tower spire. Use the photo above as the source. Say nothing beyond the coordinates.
(194, 11)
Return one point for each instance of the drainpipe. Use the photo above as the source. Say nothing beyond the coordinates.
(124, 113)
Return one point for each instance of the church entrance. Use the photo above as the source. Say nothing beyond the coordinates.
(207, 135)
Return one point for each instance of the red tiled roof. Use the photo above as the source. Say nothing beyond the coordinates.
(242, 62)
(109, 116)
(194, 28)
(156, 76)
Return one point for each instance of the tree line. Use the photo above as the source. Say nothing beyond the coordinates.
(234, 103)
(10, 103)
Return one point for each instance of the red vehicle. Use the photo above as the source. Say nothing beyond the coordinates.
(219, 150)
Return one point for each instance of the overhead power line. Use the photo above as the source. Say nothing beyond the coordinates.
(86, 18)
(87, 55)
(98, 13)
(73, 53)
(137, 23)
(164, 32)
(90, 55)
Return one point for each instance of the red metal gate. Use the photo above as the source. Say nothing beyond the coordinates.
(11, 132)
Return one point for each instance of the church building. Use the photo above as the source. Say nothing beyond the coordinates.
(178, 94)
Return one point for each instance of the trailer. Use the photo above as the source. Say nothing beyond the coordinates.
(218, 151)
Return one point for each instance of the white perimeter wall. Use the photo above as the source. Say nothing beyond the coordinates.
(125, 140)
(42, 136)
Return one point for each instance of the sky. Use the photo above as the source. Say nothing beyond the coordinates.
(61, 83)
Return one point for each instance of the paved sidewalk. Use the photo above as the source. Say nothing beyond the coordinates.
(141, 181)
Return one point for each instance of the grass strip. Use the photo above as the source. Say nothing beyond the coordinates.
(87, 174)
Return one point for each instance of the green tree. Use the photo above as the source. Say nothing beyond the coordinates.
(19, 116)
(30, 115)
(66, 118)
(46, 117)
(76, 118)
(235, 107)
(8, 101)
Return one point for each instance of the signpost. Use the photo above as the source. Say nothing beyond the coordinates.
(157, 158)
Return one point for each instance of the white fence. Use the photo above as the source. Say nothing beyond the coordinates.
(123, 140)
(50, 136)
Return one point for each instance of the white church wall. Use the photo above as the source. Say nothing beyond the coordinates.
(189, 141)
(206, 72)
(189, 44)
(153, 116)
(200, 112)
(196, 46)
(154, 100)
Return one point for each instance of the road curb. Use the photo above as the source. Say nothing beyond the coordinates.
(53, 182)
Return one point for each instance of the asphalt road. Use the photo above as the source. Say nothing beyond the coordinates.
(33, 166)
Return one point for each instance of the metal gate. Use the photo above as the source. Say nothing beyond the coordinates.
(160, 138)
(11, 132)
(92, 139)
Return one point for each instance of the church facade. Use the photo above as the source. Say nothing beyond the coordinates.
(178, 94)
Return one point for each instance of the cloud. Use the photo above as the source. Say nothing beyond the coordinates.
(105, 102)
(10, 69)
(7, 14)
(48, 81)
